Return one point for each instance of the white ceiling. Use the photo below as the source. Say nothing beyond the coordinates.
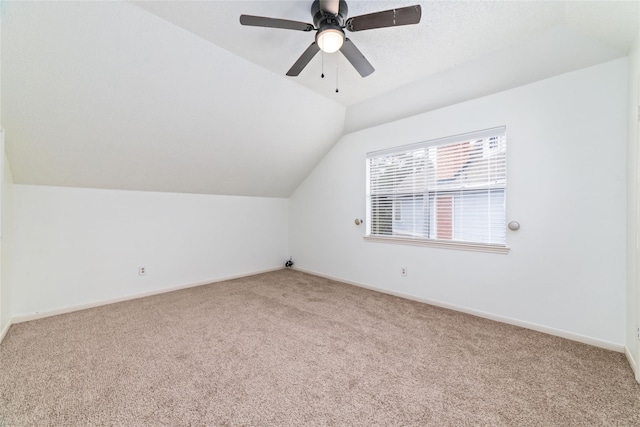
(178, 96)
(450, 33)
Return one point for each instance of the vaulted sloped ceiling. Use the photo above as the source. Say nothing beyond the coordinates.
(177, 96)
(107, 95)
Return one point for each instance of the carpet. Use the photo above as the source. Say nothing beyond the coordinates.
(288, 349)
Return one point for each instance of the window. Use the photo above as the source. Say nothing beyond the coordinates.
(450, 190)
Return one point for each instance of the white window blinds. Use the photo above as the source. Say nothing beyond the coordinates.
(451, 189)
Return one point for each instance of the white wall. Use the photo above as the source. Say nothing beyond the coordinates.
(74, 247)
(567, 187)
(633, 161)
(5, 247)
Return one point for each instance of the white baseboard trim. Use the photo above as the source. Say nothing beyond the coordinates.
(5, 330)
(69, 309)
(632, 363)
(486, 315)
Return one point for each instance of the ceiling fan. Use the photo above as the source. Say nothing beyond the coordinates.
(330, 21)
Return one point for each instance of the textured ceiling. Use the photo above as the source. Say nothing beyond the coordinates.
(450, 33)
(178, 96)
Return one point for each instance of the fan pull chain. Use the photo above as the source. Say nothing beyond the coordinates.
(322, 54)
(337, 79)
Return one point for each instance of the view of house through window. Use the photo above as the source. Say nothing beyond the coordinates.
(451, 189)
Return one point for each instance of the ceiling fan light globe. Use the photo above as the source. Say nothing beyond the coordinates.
(331, 40)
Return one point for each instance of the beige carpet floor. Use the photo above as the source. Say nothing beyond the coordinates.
(287, 348)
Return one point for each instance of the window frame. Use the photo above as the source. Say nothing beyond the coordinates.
(433, 242)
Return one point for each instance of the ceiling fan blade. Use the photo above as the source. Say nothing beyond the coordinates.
(304, 59)
(388, 18)
(261, 21)
(357, 59)
(330, 6)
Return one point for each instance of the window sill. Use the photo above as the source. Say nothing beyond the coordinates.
(477, 247)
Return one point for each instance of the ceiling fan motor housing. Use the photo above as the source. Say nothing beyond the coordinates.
(322, 19)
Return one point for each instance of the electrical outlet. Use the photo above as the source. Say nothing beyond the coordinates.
(403, 271)
(142, 271)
